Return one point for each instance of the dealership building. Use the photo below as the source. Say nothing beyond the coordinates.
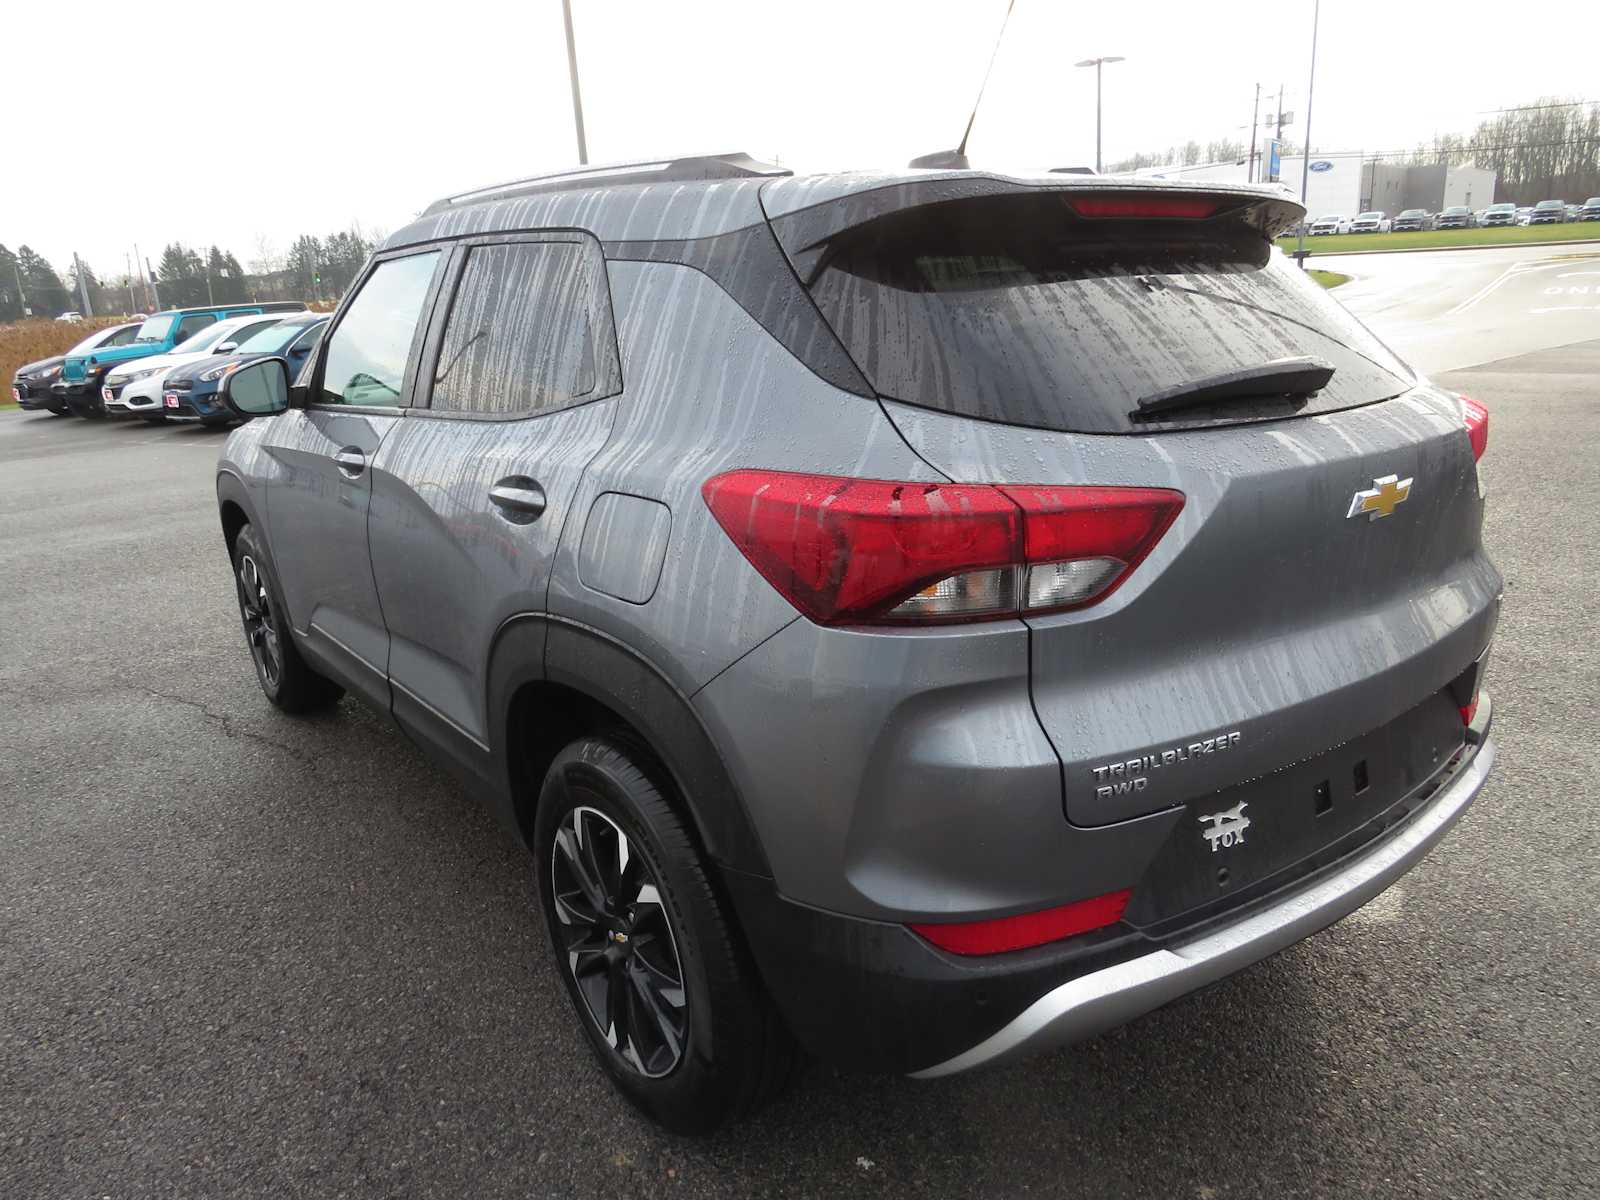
(1348, 183)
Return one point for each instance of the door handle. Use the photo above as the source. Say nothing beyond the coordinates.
(351, 461)
(520, 498)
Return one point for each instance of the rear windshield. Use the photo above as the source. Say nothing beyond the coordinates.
(1010, 308)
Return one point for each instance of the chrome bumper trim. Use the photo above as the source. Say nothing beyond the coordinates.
(1105, 999)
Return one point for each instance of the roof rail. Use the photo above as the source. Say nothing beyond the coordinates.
(693, 169)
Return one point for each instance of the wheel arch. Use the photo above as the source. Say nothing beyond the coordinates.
(553, 680)
(234, 508)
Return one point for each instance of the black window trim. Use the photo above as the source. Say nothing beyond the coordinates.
(418, 335)
(607, 358)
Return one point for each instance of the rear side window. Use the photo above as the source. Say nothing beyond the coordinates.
(121, 337)
(1011, 308)
(520, 337)
(193, 324)
(245, 332)
(366, 357)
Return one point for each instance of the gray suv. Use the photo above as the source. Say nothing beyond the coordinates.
(916, 618)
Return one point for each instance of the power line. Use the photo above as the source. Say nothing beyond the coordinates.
(1467, 148)
(1530, 107)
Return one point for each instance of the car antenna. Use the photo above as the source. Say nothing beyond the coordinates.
(956, 160)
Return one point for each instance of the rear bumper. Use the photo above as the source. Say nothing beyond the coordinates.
(1113, 995)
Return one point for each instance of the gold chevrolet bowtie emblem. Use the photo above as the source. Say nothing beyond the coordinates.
(1381, 499)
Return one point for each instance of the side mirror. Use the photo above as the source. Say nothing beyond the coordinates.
(225, 348)
(257, 389)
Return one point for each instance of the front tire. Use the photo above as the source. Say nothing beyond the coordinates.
(284, 676)
(666, 996)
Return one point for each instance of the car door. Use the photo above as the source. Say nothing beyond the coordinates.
(471, 493)
(318, 496)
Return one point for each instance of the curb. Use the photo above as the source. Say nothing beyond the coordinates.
(1594, 241)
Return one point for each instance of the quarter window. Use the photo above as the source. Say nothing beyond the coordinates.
(520, 337)
(367, 353)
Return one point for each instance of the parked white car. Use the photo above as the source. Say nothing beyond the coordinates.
(1329, 224)
(134, 389)
(1370, 222)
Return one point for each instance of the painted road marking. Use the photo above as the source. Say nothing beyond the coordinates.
(1526, 267)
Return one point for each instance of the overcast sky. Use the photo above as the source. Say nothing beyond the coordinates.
(228, 124)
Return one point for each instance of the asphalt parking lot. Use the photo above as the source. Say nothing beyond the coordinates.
(247, 954)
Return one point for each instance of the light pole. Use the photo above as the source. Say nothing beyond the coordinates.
(1097, 63)
(1305, 155)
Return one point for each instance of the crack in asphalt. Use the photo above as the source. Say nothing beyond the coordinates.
(229, 729)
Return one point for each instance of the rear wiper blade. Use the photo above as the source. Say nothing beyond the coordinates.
(1281, 377)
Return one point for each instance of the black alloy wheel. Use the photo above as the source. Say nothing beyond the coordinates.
(662, 988)
(286, 679)
(618, 941)
(260, 622)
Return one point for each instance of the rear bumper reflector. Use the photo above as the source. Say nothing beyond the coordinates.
(1000, 934)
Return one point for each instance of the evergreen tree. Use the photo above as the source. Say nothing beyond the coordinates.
(10, 296)
(182, 276)
(45, 293)
(304, 264)
(241, 282)
(227, 281)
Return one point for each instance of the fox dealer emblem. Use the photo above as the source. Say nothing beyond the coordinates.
(1386, 494)
(1227, 827)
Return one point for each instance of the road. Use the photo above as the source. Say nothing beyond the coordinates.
(245, 954)
(1444, 310)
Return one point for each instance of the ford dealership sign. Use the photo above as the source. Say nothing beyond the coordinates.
(1322, 164)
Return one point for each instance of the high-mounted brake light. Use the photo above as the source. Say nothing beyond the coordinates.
(1141, 205)
(1027, 929)
(1477, 417)
(871, 551)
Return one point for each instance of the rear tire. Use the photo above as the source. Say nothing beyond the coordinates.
(284, 676)
(664, 992)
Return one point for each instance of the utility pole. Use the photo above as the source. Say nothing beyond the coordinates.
(155, 288)
(1255, 119)
(209, 299)
(22, 295)
(83, 288)
(1279, 134)
(577, 97)
(127, 273)
(1305, 150)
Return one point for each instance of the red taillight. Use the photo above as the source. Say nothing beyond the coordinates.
(1139, 206)
(1028, 929)
(1468, 711)
(1477, 417)
(869, 551)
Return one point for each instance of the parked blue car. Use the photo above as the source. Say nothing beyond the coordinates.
(81, 375)
(189, 392)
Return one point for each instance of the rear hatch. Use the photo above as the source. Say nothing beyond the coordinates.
(1012, 331)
